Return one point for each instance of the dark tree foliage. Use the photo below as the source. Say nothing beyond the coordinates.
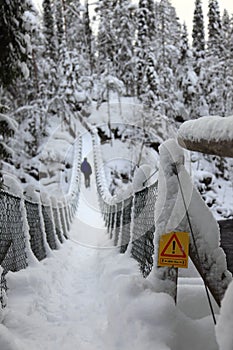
(214, 28)
(198, 33)
(14, 40)
(124, 28)
(59, 23)
(142, 43)
(88, 37)
(106, 40)
(49, 29)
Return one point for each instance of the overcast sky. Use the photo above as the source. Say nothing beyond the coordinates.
(185, 9)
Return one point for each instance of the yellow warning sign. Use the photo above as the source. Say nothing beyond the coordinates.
(173, 249)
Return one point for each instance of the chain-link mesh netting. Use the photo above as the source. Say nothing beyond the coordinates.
(126, 221)
(12, 240)
(46, 224)
(35, 230)
(143, 231)
(57, 222)
(12, 247)
(49, 226)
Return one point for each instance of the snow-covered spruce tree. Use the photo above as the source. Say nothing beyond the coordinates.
(198, 49)
(167, 53)
(49, 80)
(142, 44)
(198, 35)
(187, 80)
(106, 39)
(226, 61)
(28, 89)
(60, 33)
(214, 69)
(88, 39)
(74, 28)
(78, 36)
(151, 20)
(124, 26)
(15, 49)
(214, 29)
(49, 29)
(7, 130)
(150, 95)
(71, 89)
(14, 42)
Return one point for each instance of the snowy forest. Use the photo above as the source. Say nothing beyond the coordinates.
(56, 63)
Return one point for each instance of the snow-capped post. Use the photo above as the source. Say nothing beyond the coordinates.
(180, 208)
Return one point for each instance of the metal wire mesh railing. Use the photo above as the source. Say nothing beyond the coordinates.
(12, 247)
(37, 226)
(129, 222)
(35, 230)
(143, 232)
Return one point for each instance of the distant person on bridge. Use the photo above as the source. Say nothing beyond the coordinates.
(87, 171)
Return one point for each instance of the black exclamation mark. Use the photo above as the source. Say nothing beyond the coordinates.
(173, 247)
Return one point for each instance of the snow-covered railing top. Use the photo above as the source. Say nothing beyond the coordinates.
(210, 135)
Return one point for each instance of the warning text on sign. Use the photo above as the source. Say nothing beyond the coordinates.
(173, 249)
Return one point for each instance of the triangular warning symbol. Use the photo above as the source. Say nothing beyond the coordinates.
(173, 248)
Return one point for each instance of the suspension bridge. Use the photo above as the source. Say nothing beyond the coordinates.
(33, 225)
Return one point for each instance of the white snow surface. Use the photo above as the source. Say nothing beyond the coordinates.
(208, 128)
